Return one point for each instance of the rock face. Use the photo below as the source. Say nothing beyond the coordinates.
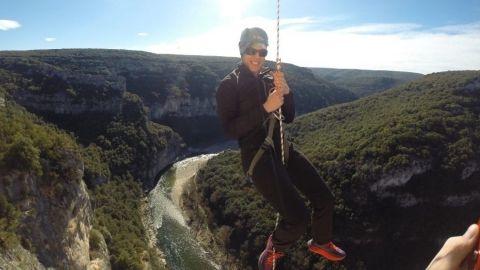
(179, 90)
(74, 94)
(414, 206)
(409, 186)
(55, 216)
(19, 258)
(400, 177)
(174, 149)
(192, 117)
(184, 107)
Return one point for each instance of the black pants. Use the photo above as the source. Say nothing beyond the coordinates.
(280, 185)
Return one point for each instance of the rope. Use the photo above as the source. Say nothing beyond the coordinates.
(279, 67)
(279, 114)
(278, 35)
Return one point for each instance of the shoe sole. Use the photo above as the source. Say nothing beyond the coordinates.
(325, 254)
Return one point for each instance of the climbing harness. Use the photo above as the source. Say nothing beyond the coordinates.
(276, 115)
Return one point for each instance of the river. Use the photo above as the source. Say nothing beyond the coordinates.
(174, 238)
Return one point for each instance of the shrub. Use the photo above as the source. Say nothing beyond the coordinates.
(95, 240)
(9, 222)
(23, 156)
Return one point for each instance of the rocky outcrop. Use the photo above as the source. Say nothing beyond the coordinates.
(63, 103)
(183, 107)
(56, 215)
(472, 86)
(470, 169)
(194, 118)
(174, 149)
(73, 94)
(99, 252)
(19, 258)
(393, 185)
(400, 177)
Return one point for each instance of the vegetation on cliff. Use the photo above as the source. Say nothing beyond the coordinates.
(27, 143)
(131, 141)
(31, 146)
(434, 118)
(433, 121)
(151, 76)
(117, 218)
(9, 222)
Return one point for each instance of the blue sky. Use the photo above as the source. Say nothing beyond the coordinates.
(410, 35)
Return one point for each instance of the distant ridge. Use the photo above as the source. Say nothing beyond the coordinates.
(176, 88)
(364, 82)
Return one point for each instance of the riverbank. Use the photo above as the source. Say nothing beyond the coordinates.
(150, 234)
(184, 173)
(182, 249)
(198, 218)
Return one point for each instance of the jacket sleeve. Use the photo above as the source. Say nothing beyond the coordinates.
(288, 108)
(235, 123)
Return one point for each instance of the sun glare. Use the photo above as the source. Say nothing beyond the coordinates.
(233, 8)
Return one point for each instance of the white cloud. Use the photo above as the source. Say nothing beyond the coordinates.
(50, 39)
(8, 24)
(142, 34)
(462, 28)
(380, 28)
(385, 48)
(403, 47)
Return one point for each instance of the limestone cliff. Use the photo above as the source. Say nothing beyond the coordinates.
(179, 90)
(19, 258)
(184, 107)
(173, 149)
(47, 88)
(55, 218)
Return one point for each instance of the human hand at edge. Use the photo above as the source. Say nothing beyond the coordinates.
(458, 252)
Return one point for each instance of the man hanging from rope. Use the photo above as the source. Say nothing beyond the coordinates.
(248, 102)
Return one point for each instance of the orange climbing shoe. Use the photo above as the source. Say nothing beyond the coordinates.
(269, 256)
(328, 250)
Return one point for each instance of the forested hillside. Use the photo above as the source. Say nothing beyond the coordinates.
(403, 165)
(46, 212)
(40, 168)
(178, 90)
(364, 82)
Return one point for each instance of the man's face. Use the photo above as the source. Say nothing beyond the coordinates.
(252, 59)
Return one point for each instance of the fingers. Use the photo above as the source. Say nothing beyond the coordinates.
(274, 101)
(280, 82)
(278, 96)
(457, 251)
(471, 236)
(458, 248)
(471, 239)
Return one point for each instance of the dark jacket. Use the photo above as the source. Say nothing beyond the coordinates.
(240, 98)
